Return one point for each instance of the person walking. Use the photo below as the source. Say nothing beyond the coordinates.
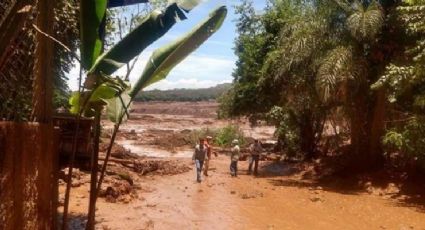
(209, 151)
(256, 150)
(199, 156)
(234, 158)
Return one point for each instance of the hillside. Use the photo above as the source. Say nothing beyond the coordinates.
(203, 94)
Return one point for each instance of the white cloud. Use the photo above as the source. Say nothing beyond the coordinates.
(196, 71)
(206, 70)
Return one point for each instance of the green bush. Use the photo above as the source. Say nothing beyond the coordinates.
(287, 130)
(226, 135)
(409, 139)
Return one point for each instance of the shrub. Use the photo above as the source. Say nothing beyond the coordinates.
(226, 135)
(287, 130)
(201, 133)
(409, 139)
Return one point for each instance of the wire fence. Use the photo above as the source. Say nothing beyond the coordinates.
(16, 68)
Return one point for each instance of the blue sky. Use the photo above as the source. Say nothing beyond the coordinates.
(209, 65)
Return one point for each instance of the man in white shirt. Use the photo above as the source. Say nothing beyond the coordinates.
(199, 156)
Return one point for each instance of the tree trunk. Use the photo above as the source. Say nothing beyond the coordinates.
(367, 126)
(43, 70)
(377, 129)
(308, 144)
(359, 133)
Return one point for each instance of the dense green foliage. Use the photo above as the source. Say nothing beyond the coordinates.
(66, 31)
(205, 94)
(312, 66)
(222, 137)
(405, 83)
(227, 134)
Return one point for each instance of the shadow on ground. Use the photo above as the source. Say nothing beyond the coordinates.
(403, 191)
(75, 221)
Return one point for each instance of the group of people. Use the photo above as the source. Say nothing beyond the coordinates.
(203, 151)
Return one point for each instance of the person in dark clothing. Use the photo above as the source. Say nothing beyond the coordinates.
(256, 150)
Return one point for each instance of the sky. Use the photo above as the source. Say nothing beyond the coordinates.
(209, 65)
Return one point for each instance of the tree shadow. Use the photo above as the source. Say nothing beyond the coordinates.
(392, 185)
(412, 194)
(336, 184)
(75, 221)
(276, 169)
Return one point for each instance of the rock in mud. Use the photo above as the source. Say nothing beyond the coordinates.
(316, 199)
(119, 191)
(251, 195)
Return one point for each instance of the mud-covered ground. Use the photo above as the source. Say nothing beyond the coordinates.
(157, 188)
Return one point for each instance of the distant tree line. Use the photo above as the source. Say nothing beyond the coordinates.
(203, 94)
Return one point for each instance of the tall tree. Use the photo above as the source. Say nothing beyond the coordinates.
(368, 43)
(66, 31)
(404, 80)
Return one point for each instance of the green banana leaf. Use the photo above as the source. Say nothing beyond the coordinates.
(150, 29)
(115, 108)
(163, 60)
(92, 13)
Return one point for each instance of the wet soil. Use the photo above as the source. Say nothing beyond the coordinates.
(283, 196)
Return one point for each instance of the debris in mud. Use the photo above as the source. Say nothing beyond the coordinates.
(161, 167)
(119, 191)
(149, 225)
(118, 151)
(172, 140)
(251, 195)
(78, 178)
(316, 199)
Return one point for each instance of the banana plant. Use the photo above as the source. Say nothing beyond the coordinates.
(100, 67)
(164, 59)
(101, 89)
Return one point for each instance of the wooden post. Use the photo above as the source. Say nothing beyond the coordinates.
(94, 169)
(43, 66)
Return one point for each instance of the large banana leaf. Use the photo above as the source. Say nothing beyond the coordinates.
(163, 60)
(115, 108)
(152, 27)
(92, 13)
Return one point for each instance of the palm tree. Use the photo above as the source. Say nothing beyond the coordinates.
(291, 68)
(365, 47)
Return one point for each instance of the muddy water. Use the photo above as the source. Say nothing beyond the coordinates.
(154, 151)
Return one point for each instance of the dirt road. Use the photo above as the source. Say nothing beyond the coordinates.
(282, 197)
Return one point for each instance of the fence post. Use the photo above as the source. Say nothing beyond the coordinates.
(43, 66)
